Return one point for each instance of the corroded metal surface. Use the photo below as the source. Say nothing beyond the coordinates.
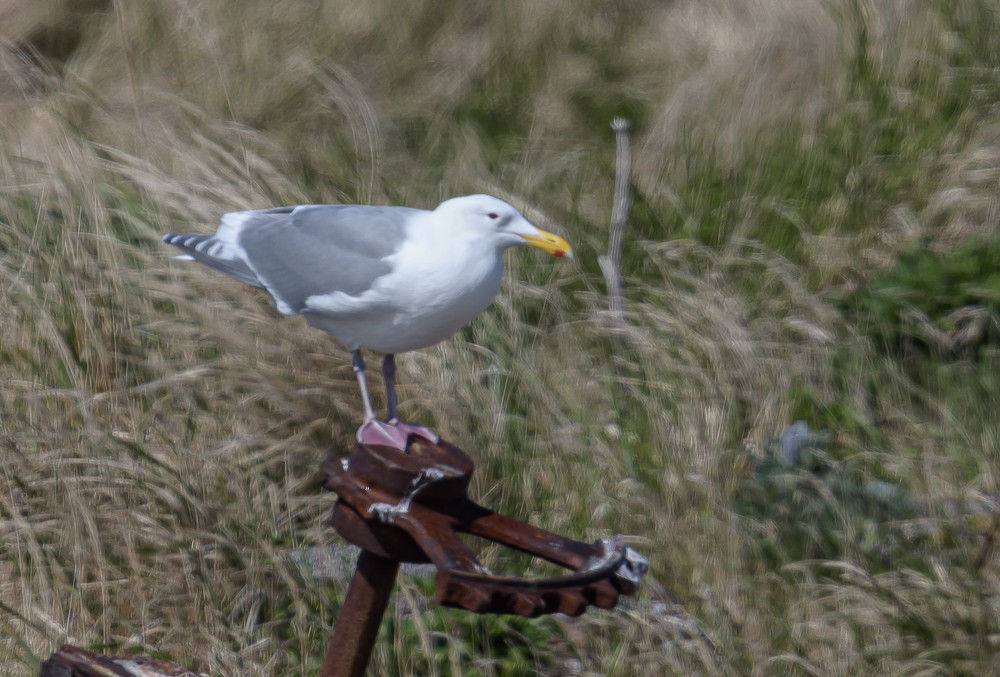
(353, 638)
(412, 507)
(72, 661)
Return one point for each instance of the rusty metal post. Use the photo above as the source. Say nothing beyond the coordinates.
(354, 635)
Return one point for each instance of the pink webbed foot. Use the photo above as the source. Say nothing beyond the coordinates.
(395, 434)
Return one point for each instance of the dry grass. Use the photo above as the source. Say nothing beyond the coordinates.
(161, 426)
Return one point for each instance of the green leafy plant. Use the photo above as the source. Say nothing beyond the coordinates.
(811, 505)
(941, 303)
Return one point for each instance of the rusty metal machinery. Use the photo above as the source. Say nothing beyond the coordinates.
(411, 507)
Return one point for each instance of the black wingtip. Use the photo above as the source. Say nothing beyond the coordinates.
(181, 240)
(172, 238)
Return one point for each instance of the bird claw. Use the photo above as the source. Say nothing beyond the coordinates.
(394, 433)
(416, 429)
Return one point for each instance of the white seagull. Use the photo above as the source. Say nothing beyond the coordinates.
(389, 279)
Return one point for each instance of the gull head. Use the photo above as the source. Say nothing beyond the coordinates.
(490, 217)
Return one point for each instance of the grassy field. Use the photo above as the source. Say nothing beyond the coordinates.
(813, 237)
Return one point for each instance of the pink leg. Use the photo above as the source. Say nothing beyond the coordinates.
(383, 434)
(390, 433)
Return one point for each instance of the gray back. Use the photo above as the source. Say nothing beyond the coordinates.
(298, 252)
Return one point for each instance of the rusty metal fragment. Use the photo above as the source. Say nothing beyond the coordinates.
(72, 661)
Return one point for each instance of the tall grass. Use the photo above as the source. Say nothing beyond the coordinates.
(161, 426)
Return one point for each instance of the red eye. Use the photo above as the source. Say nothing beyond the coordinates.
(493, 215)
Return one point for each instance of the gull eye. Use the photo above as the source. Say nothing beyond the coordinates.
(493, 216)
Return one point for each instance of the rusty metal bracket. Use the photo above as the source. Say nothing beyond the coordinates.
(412, 506)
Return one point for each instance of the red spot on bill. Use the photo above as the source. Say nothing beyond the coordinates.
(559, 253)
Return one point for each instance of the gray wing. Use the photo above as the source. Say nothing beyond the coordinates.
(298, 252)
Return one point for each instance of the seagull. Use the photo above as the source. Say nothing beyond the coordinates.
(386, 279)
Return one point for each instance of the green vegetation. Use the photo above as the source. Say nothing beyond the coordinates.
(944, 303)
(423, 639)
(813, 237)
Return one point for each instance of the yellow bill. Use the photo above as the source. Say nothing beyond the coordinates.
(551, 243)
